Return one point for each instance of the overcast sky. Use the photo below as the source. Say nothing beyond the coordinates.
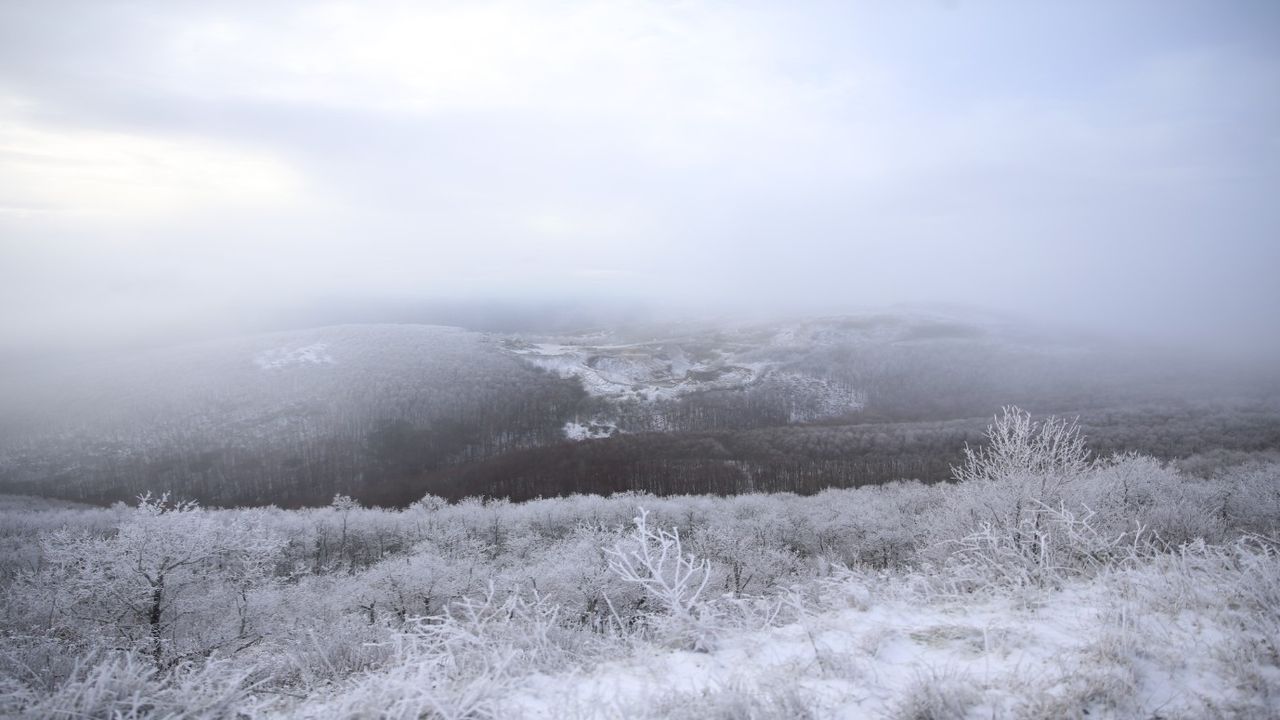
(177, 163)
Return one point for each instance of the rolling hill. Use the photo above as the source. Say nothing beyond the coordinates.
(387, 413)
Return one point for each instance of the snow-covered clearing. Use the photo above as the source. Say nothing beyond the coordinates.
(662, 372)
(589, 430)
(642, 372)
(276, 358)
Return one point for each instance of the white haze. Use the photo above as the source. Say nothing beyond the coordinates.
(171, 165)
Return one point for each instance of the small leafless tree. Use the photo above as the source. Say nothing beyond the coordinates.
(173, 583)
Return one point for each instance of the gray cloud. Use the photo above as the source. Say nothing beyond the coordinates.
(171, 164)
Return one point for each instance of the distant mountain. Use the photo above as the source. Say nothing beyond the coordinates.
(388, 412)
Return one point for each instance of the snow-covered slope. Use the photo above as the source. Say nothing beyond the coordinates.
(805, 370)
(1131, 644)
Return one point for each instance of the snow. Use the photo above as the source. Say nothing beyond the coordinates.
(872, 661)
(653, 370)
(665, 371)
(277, 358)
(826, 399)
(792, 357)
(591, 430)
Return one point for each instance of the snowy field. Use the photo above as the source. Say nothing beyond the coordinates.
(1044, 583)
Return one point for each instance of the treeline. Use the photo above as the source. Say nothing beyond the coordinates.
(808, 459)
(799, 459)
(396, 461)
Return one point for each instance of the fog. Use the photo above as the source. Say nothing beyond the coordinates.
(180, 169)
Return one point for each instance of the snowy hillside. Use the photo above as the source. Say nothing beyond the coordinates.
(914, 365)
(1044, 583)
(679, 361)
(819, 366)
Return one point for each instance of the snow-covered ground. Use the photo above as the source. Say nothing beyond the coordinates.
(276, 358)
(666, 369)
(642, 372)
(1188, 635)
(1091, 649)
(589, 430)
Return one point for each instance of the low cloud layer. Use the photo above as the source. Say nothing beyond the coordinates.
(166, 165)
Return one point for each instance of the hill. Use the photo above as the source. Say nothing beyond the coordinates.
(386, 413)
(288, 418)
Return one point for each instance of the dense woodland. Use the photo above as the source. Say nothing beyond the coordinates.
(808, 459)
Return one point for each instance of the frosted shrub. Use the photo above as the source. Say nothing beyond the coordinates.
(1125, 487)
(1003, 487)
(874, 526)
(399, 588)
(487, 632)
(1133, 490)
(1050, 545)
(1033, 508)
(1025, 461)
(174, 583)
(1018, 445)
(1251, 502)
(746, 560)
(655, 560)
(461, 663)
(575, 573)
(127, 686)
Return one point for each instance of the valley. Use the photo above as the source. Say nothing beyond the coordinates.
(386, 413)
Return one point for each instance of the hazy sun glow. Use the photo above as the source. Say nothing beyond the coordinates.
(104, 175)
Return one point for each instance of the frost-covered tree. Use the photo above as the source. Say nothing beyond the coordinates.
(175, 582)
(1010, 487)
(1051, 449)
(655, 560)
